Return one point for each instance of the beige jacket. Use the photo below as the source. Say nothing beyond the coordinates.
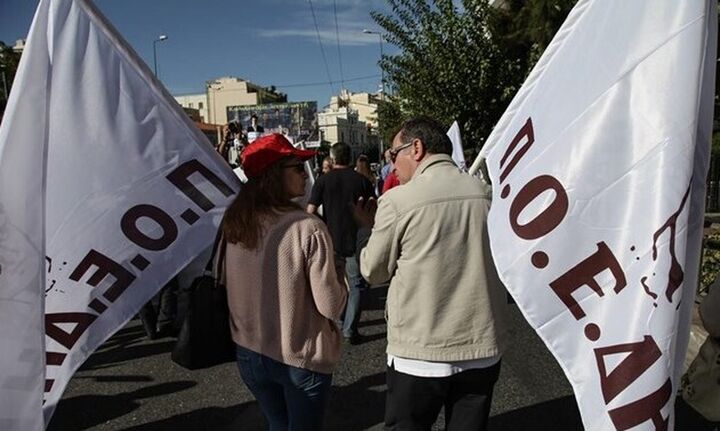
(285, 295)
(445, 301)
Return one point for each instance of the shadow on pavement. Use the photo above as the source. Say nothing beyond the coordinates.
(246, 416)
(358, 406)
(350, 408)
(115, 379)
(369, 338)
(123, 353)
(125, 336)
(558, 414)
(373, 322)
(563, 414)
(85, 411)
(130, 343)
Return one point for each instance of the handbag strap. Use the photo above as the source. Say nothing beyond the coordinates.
(218, 240)
(218, 274)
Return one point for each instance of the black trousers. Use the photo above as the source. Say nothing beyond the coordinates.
(159, 314)
(413, 403)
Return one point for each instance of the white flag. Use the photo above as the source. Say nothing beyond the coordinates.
(457, 154)
(598, 169)
(106, 191)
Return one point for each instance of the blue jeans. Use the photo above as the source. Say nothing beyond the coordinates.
(291, 398)
(358, 286)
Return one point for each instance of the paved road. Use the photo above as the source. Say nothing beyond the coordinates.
(130, 383)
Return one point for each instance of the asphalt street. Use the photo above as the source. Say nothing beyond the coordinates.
(130, 383)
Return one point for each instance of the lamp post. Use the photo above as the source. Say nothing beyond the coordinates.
(160, 38)
(382, 71)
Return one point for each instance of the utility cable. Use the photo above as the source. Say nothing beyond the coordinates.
(322, 50)
(337, 36)
(315, 84)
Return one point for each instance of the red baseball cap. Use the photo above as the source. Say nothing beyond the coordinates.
(264, 151)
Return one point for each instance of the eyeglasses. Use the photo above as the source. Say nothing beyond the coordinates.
(395, 151)
(299, 167)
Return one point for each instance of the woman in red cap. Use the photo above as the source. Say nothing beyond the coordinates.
(283, 289)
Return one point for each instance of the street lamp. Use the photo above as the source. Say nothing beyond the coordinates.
(382, 71)
(160, 38)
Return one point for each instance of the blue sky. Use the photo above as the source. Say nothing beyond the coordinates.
(269, 42)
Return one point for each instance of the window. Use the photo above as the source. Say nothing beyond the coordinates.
(200, 105)
(342, 136)
(190, 105)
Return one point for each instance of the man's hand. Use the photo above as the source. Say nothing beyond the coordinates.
(364, 212)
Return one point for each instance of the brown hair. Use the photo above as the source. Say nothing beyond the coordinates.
(362, 166)
(259, 198)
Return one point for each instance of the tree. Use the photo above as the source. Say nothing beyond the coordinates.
(449, 66)
(9, 60)
(465, 63)
(390, 117)
(526, 28)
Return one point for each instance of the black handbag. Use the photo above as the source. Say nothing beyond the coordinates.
(204, 340)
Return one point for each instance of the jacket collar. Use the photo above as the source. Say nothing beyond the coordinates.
(432, 160)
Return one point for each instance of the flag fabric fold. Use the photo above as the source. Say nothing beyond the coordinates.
(598, 169)
(106, 188)
(457, 153)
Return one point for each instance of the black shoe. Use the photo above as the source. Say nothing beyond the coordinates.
(353, 340)
(168, 330)
(149, 328)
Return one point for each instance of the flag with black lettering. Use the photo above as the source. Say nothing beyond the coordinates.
(598, 169)
(107, 190)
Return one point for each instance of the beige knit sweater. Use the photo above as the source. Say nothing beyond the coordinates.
(285, 295)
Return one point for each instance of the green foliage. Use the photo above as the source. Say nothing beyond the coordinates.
(462, 64)
(391, 117)
(526, 28)
(449, 67)
(710, 261)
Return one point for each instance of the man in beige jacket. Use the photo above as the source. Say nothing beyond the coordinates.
(445, 307)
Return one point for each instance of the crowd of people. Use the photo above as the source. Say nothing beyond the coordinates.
(235, 138)
(297, 276)
(296, 281)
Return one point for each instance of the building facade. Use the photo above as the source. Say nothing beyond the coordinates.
(195, 101)
(351, 118)
(226, 92)
(344, 125)
(222, 96)
(365, 104)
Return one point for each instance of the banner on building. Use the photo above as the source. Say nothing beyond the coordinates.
(295, 119)
(598, 170)
(106, 192)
